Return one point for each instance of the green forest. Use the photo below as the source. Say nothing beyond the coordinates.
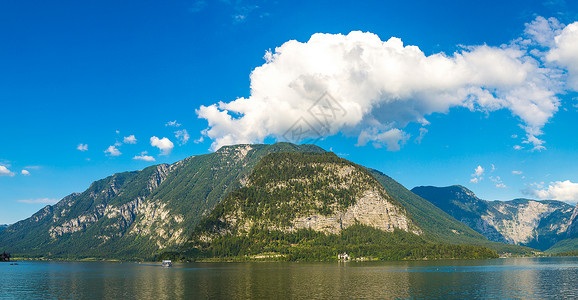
(308, 245)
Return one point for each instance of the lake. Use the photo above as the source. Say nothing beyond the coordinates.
(511, 278)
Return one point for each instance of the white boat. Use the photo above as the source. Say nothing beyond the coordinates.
(167, 263)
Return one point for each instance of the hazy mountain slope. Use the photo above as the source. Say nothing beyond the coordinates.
(438, 225)
(136, 214)
(536, 224)
(2, 227)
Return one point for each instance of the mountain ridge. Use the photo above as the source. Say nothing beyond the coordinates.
(138, 213)
(526, 222)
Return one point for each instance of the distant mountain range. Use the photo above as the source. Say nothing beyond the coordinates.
(531, 223)
(2, 227)
(296, 201)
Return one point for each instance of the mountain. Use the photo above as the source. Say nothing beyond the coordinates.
(438, 225)
(314, 205)
(137, 214)
(531, 223)
(2, 227)
(570, 243)
(311, 195)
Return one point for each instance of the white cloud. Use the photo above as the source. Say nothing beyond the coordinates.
(498, 181)
(393, 139)
(39, 201)
(112, 151)
(182, 136)
(422, 132)
(25, 173)
(82, 147)
(558, 190)
(173, 124)
(479, 171)
(517, 147)
(144, 157)
(565, 53)
(129, 139)
(164, 144)
(4, 171)
(517, 172)
(383, 86)
(543, 31)
(501, 185)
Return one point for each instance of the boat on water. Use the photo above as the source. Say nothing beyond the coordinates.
(167, 263)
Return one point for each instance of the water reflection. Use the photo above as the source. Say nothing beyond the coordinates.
(531, 278)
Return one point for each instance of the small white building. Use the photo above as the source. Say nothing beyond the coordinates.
(343, 257)
(167, 263)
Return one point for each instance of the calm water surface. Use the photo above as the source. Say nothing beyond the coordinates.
(514, 278)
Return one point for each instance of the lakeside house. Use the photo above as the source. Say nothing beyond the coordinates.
(167, 263)
(343, 257)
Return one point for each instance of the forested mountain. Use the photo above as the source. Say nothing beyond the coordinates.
(137, 214)
(300, 206)
(301, 194)
(532, 223)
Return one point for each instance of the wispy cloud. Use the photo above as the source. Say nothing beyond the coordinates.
(25, 173)
(173, 124)
(144, 157)
(498, 181)
(478, 172)
(131, 139)
(197, 6)
(39, 201)
(82, 147)
(182, 136)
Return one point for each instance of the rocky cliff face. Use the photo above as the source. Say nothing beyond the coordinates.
(138, 214)
(322, 192)
(536, 224)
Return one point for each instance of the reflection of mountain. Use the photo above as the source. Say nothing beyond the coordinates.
(536, 224)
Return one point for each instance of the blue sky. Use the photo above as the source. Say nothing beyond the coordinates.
(78, 78)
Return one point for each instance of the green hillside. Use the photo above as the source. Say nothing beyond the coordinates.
(262, 219)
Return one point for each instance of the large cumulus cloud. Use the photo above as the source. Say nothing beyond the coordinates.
(378, 87)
